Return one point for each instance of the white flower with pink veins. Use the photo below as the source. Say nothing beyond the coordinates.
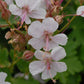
(80, 11)
(26, 9)
(3, 77)
(48, 63)
(42, 34)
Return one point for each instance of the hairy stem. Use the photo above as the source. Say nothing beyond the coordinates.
(67, 24)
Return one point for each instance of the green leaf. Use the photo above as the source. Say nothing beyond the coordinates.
(74, 79)
(23, 65)
(23, 81)
(4, 62)
(73, 65)
(62, 77)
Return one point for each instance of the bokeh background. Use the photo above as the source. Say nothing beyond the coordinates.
(74, 50)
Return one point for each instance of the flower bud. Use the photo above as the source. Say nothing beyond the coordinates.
(8, 35)
(28, 55)
(6, 14)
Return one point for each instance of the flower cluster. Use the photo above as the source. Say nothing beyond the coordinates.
(42, 34)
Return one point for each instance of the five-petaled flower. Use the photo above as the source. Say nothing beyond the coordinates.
(48, 63)
(26, 9)
(42, 34)
(80, 11)
(3, 77)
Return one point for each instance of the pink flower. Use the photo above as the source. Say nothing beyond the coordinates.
(80, 11)
(48, 64)
(3, 77)
(26, 9)
(42, 34)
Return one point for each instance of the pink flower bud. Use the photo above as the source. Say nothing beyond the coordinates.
(28, 55)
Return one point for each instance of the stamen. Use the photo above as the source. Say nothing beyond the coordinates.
(82, 13)
(47, 3)
(61, 1)
(54, 81)
(52, 2)
(23, 19)
(47, 43)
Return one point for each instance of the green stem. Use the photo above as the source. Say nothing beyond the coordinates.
(67, 24)
(12, 26)
(8, 23)
(66, 4)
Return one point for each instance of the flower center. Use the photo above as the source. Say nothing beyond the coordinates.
(47, 38)
(25, 9)
(82, 13)
(48, 62)
(47, 34)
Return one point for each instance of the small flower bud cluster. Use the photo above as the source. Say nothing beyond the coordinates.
(17, 39)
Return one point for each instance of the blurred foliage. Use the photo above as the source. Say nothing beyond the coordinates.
(10, 64)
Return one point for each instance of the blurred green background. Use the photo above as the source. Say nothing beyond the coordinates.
(74, 50)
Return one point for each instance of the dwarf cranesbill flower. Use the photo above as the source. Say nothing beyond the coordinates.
(26, 9)
(42, 34)
(48, 63)
(9, 1)
(3, 77)
(80, 11)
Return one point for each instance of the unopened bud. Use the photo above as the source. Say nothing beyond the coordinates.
(6, 14)
(8, 35)
(28, 55)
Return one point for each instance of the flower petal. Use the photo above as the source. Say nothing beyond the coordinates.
(59, 66)
(20, 3)
(32, 30)
(42, 4)
(27, 20)
(6, 83)
(15, 10)
(50, 25)
(36, 43)
(2, 77)
(52, 45)
(48, 74)
(9, 2)
(39, 54)
(33, 4)
(36, 67)
(58, 53)
(80, 10)
(60, 39)
(38, 14)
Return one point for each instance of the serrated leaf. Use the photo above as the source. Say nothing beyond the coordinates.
(23, 81)
(23, 65)
(73, 65)
(74, 79)
(4, 62)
